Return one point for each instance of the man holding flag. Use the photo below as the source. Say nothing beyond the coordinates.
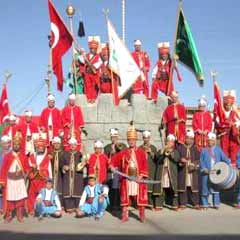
(226, 122)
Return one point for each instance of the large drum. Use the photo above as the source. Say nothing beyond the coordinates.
(223, 176)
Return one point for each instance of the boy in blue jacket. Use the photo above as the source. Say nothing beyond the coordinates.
(94, 199)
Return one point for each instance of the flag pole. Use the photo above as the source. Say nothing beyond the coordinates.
(48, 78)
(70, 10)
(174, 57)
(106, 12)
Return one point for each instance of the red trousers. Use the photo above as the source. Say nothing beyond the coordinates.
(12, 205)
(230, 148)
(160, 85)
(106, 87)
(141, 86)
(35, 186)
(91, 82)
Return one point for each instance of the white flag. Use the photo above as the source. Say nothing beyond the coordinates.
(121, 61)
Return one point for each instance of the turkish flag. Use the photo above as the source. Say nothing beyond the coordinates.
(218, 107)
(4, 107)
(61, 42)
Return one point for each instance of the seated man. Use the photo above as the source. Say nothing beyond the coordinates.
(94, 200)
(47, 202)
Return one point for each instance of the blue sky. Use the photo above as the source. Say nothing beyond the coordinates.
(24, 27)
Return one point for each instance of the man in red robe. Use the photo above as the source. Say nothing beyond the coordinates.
(13, 170)
(11, 129)
(202, 124)
(98, 163)
(50, 119)
(174, 118)
(27, 128)
(132, 161)
(227, 130)
(161, 72)
(72, 122)
(142, 60)
(92, 63)
(105, 73)
(40, 169)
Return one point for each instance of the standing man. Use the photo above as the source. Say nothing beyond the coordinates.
(50, 120)
(113, 179)
(188, 175)
(210, 155)
(56, 156)
(161, 72)
(132, 161)
(92, 62)
(98, 163)
(142, 60)
(13, 171)
(72, 168)
(27, 129)
(167, 173)
(174, 118)
(105, 73)
(226, 129)
(151, 152)
(202, 124)
(41, 169)
(5, 148)
(72, 122)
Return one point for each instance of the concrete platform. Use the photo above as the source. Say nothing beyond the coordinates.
(167, 224)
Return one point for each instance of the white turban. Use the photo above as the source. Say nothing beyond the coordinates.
(50, 97)
(72, 141)
(113, 132)
(146, 133)
(171, 137)
(98, 144)
(190, 133)
(56, 140)
(212, 136)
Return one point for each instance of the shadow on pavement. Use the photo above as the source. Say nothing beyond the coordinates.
(6, 235)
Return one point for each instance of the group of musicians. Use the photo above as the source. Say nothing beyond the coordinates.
(50, 158)
(46, 170)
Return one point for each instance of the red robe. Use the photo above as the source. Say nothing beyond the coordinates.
(37, 179)
(72, 115)
(229, 136)
(174, 117)
(105, 78)
(202, 121)
(98, 166)
(161, 74)
(92, 80)
(121, 161)
(6, 164)
(22, 127)
(143, 62)
(56, 121)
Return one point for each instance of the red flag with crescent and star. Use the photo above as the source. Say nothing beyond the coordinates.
(61, 42)
(4, 107)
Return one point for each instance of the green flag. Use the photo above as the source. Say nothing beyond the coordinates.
(69, 81)
(185, 48)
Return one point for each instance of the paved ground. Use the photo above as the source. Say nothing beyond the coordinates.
(187, 224)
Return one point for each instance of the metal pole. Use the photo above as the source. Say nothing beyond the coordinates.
(123, 20)
(70, 12)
